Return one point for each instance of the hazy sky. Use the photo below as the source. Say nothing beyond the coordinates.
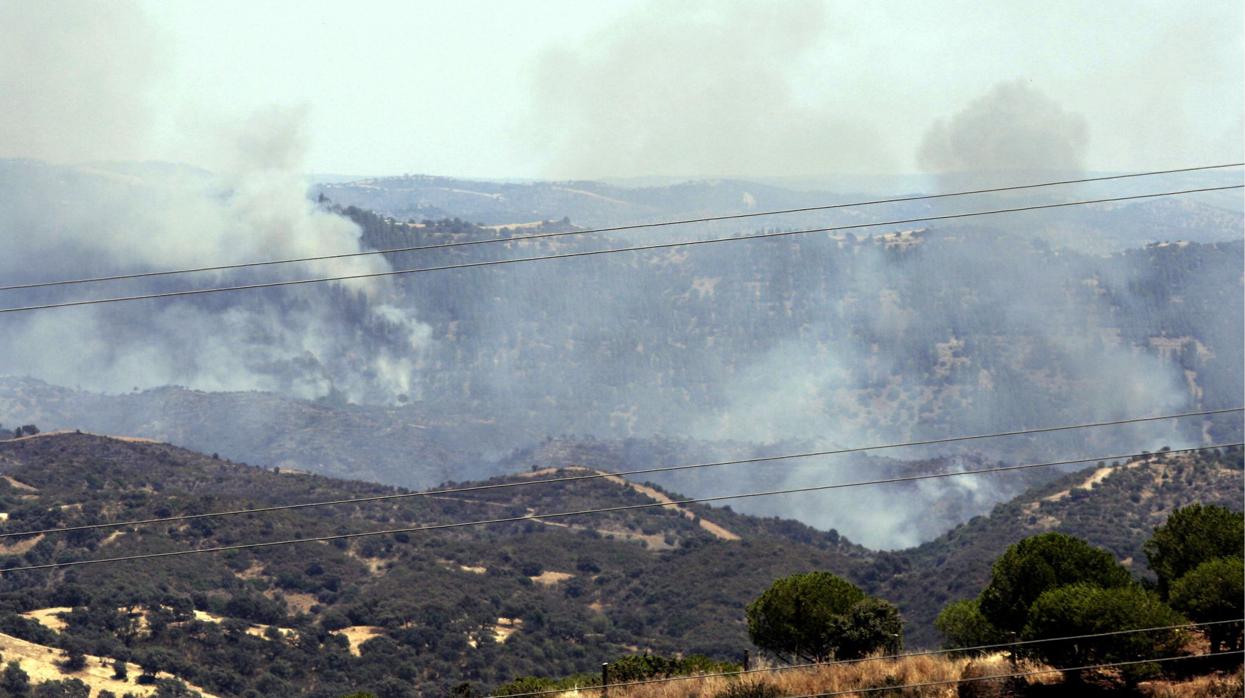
(623, 87)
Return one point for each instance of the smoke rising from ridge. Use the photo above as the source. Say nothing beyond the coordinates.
(1012, 130)
(827, 341)
(695, 88)
(80, 75)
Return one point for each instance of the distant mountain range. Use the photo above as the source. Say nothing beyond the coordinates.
(596, 203)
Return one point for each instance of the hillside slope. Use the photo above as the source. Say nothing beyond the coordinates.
(482, 604)
(1114, 505)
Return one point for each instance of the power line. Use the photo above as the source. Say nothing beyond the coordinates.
(600, 475)
(592, 253)
(1019, 674)
(885, 657)
(611, 229)
(584, 512)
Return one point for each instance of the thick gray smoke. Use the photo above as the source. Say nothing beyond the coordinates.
(1014, 130)
(837, 386)
(695, 88)
(75, 78)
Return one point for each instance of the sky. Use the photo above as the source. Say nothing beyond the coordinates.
(623, 88)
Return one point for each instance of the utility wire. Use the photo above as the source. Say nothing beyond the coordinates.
(1018, 674)
(885, 657)
(582, 512)
(593, 253)
(600, 475)
(618, 228)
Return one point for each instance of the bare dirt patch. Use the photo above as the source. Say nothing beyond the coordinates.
(549, 577)
(49, 618)
(19, 547)
(112, 538)
(356, 635)
(42, 664)
(18, 484)
(713, 529)
(255, 571)
(300, 602)
(256, 629)
(505, 627)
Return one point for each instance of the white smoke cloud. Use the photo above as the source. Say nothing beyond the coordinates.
(695, 88)
(1011, 130)
(76, 81)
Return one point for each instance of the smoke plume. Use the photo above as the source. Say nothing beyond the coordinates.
(694, 89)
(76, 78)
(1012, 130)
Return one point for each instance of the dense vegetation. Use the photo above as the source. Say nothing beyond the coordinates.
(816, 616)
(1118, 514)
(879, 336)
(481, 605)
(1052, 585)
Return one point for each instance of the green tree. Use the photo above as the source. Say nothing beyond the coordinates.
(15, 681)
(75, 659)
(1190, 536)
(69, 688)
(1213, 591)
(963, 625)
(1084, 609)
(120, 670)
(810, 616)
(1038, 564)
(172, 688)
(868, 626)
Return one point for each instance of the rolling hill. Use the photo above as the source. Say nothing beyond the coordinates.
(482, 604)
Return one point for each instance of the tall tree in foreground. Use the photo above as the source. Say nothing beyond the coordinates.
(1038, 564)
(1193, 535)
(1213, 592)
(818, 616)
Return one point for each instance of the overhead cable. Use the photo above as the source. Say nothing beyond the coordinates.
(611, 229)
(1018, 674)
(877, 658)
(593, 253)
(601, 475)
(582, 512)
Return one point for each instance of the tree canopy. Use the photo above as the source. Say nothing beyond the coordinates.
(816, 616)
(1084, 609)
(963, 625)
(1041, 563)
(1214, 591)
(1193, 535)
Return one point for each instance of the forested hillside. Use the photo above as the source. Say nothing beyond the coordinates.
(481, 604)
(820, 341)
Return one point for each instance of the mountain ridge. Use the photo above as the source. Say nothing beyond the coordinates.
(613, 582)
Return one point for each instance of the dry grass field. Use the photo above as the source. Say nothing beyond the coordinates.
(941, 674)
